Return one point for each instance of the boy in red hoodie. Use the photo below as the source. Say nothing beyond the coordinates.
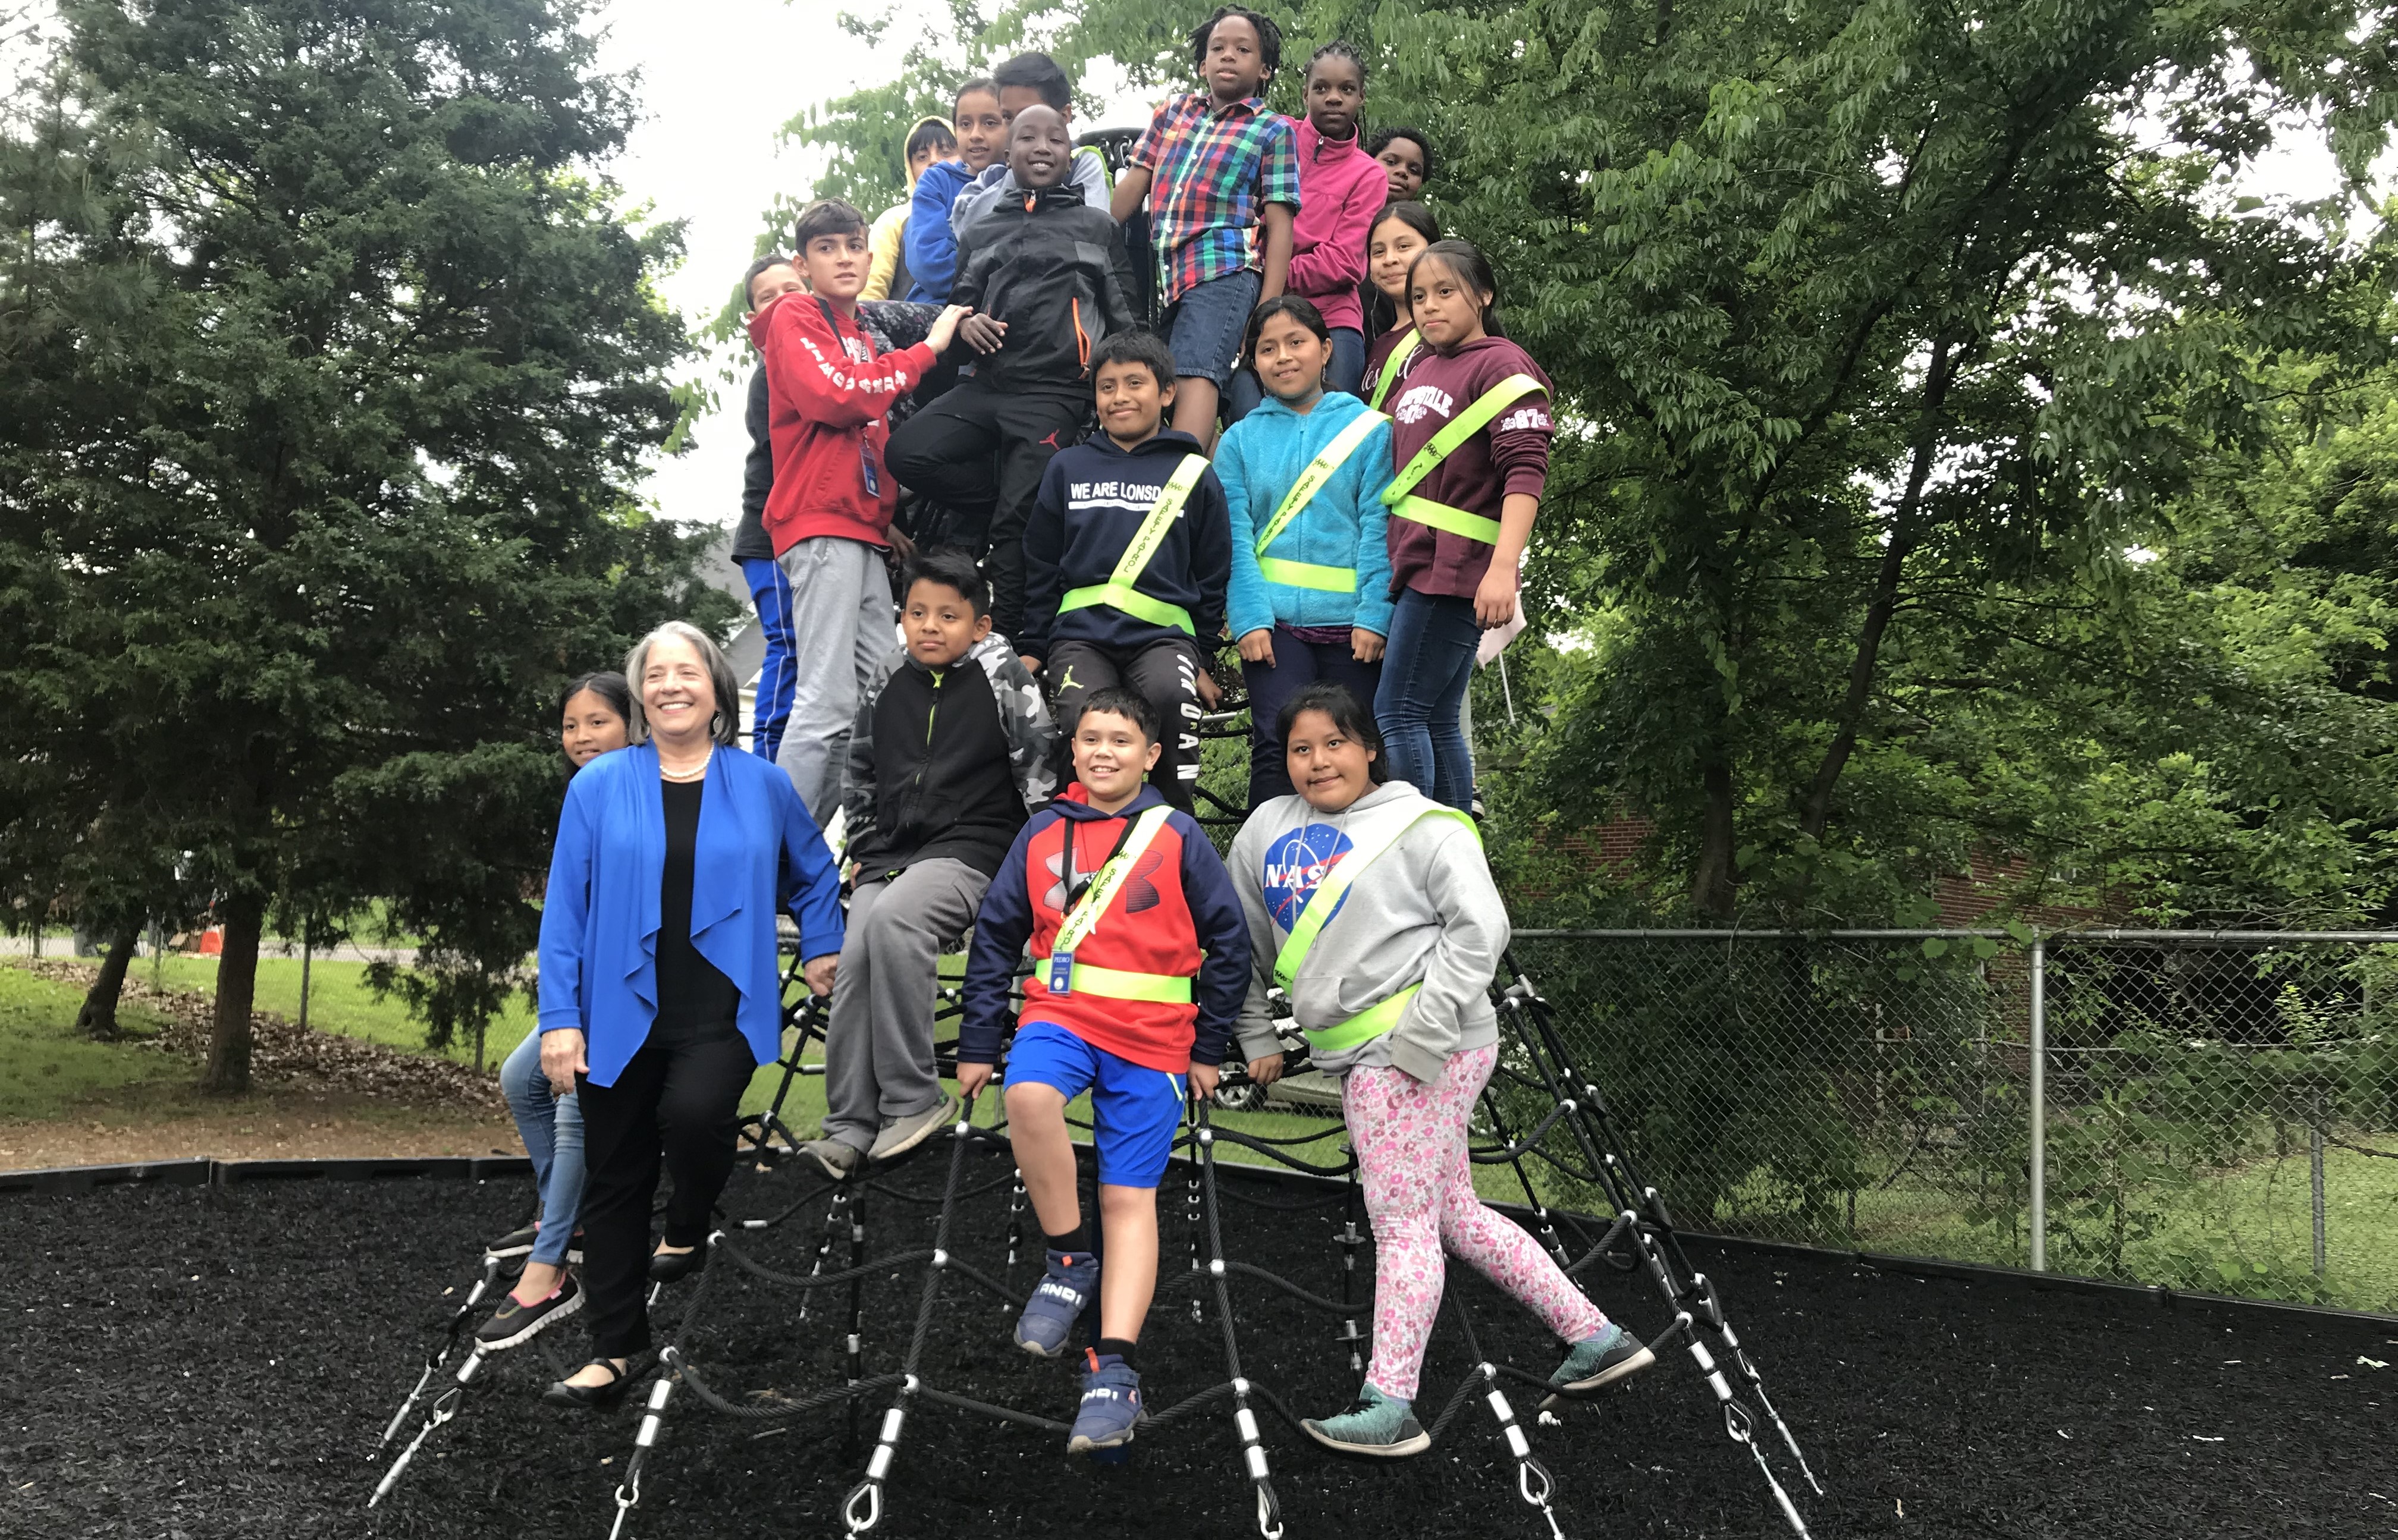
(1139, 965)
(828, 514)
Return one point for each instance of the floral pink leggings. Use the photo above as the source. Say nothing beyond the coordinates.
(1410, 1142)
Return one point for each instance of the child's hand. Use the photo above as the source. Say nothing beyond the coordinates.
(1266, 1071)
(1495, 600)
(945, 327)
(818, 972)
(1364, 645)
(1210, 691)
(972, 1078)
(1203, 1079)
(983, 334)
(1256, 647)
(1031, 664)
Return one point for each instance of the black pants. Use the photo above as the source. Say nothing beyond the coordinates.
(1297, 664)
(1165, 672)
(680, 1096)
(980, 453)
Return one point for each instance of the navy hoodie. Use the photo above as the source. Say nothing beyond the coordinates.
(1093, 498)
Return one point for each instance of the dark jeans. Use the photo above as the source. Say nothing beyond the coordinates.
(1165, 672)
(1297, 664)
(679, 1097)
(979, 452)
(1426, 670)
(1348, 368)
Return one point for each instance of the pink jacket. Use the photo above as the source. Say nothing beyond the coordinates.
(1341, 189)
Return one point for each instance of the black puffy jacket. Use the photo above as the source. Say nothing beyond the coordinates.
(1054, 269)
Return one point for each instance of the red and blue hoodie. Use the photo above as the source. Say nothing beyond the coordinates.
(1177, 915)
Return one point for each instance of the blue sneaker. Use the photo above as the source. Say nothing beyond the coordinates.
(1067, 1289)
(1378, 1426)
(1597, 1361)
(1110, 1405)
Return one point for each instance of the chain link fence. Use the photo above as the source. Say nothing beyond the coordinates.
(2214, 1110)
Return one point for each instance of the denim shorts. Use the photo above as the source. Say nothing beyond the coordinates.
(1205, 326)
(1135, 1111)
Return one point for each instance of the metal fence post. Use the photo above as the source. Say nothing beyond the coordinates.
(2315, 1174)
(2038, 1103)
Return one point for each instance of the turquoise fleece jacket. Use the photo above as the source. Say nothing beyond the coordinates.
(1343, 525)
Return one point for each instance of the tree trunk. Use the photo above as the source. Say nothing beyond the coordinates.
(228, 1068)
(1712, 883)
(98, 1018)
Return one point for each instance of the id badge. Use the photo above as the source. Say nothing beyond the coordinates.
(869, 470)
(1061, 973)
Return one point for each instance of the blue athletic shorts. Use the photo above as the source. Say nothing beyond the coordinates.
(1135, 1110)
(1205, 326)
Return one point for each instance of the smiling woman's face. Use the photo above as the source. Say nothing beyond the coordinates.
(675, 695)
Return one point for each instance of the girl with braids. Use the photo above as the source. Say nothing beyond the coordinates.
(1470, 431)
(1371, 907)
(1340, 188)
(1397, 236)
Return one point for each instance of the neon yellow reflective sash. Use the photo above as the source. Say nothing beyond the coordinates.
(1391, 365)
(1119, 589)
(1110, 983)
(1308, 574)
(1373, 1022)
(1471, 421)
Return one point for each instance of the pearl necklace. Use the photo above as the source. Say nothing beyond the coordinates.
(693, 774)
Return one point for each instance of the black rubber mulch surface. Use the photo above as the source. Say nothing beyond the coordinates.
(178, 1365)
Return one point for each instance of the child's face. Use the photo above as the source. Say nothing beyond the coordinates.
(589, 727)
(1111, 755)
(1448, 309)
(941, 625)
(1290, 358)
(1015, 99)
(772, 285)
(1131, 401)
(1389, 250)
(836, 265)
(1328, 765)
(1039, 151)
(939, 149)
(1235, 66)
(982, 133)
(1403, 162)
(1334, 93)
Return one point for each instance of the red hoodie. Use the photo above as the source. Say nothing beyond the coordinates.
(826, 394)
(1341, 189)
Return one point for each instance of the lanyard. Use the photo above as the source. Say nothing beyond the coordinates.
(1083, 917)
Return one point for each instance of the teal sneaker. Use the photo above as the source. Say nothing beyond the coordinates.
(1377, 1428)
(1597, 1362)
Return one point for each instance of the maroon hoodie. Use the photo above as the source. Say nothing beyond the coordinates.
(1511, 455)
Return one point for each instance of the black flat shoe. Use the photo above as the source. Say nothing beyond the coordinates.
(578, 1398)
(674, 1266)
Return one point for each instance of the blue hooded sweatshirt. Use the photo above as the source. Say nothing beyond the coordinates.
(1343, 524)
(932, 247)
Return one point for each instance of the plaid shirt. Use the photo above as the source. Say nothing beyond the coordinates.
(1212, 173)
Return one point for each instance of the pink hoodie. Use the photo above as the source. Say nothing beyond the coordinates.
(1341, 189)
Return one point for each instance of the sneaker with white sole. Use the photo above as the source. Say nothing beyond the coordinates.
(1068, 1285)
(1377, 1427)
(836, 1159)
(908, 1133)
(1110, 1404)
(514, 1324)
(1597, 1361)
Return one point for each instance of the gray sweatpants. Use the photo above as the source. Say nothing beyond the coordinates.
(842, 624)
(879, 1045)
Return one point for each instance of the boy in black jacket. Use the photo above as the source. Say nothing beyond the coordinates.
(949, 751)
(1125, 558)
(1046, 274)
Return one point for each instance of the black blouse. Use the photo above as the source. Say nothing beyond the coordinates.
(694, 994)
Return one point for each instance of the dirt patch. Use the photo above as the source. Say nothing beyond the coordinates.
(268, 1126)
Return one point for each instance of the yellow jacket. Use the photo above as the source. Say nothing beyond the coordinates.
(888, 234)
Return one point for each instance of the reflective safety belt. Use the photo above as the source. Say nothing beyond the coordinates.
(1118, 590)
(1061, 974)
(1392, 366)
(1308, 574)
(1372, 1022)
(1471, 421)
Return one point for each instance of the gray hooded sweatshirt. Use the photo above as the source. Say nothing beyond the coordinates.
(1425, 912)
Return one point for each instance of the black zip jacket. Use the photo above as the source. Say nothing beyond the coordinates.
(1092, 500)
(1054, 269)
(750, 542)
(947, 762)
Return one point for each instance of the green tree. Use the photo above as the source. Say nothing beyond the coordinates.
(339, 362)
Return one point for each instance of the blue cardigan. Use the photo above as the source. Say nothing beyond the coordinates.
(1343, 525)
(758, 851)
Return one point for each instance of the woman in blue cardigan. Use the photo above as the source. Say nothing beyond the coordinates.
(1304, 473)
(659, 990)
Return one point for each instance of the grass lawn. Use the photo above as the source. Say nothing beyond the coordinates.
(340, 1002)
(52, 1071)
